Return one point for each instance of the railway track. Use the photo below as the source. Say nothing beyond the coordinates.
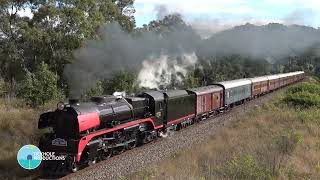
(142, 157)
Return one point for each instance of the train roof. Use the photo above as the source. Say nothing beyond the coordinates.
(272, 77)
(156, 95)
(285, 75)
(234, 83)
(205, 89)
(297, 72)
(175, 93)
(259, 79)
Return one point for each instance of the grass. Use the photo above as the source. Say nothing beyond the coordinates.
(18, 124)
(274, 141)
(280, 140)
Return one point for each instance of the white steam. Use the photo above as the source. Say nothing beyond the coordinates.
(158, 71)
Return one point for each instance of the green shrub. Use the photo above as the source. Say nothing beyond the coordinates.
(40, 87)
(95, 91)
(245, 167)
(303, 95)
(287, 141)
(305, 87)
(291, 172)
(3, 87)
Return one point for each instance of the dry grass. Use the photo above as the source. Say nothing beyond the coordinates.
(271, 142)
(18, 127)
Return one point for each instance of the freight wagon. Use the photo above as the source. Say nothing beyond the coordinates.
(235, 91)
(259, 86)
(274, 82)
(209, 99)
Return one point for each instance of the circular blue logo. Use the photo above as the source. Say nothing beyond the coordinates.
(29, 157)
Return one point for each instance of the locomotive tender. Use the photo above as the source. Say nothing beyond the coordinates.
(85, 132)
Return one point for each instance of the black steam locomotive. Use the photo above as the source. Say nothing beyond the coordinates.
(85, 132)
(89, 131)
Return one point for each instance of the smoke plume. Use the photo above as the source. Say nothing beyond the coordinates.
(118, 50)
(167, 51)
(157, 71)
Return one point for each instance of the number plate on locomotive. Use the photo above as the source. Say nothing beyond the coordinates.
(59, 142)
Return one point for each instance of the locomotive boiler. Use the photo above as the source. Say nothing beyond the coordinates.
(74, 123)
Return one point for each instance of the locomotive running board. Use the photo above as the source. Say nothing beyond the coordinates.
(119, 145)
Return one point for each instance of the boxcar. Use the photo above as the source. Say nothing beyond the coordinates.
(179, 106)
(283, 79)
(287, 79)
(259, 85)
(299, 75)
(235, 91)
(295, 76)
(208, 99)
(290, 78)
(274, 82)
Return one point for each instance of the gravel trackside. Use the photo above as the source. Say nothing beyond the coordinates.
(149, 154)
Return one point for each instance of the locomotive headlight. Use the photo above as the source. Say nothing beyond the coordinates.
(60, 106)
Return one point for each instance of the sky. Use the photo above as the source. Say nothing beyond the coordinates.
(217, 15)
(211, 16)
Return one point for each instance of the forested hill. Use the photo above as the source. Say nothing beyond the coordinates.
(106, 52)
(272, 41)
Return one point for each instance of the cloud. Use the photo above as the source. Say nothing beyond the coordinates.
(312, 4)
(210, 16)
(161, 10)
(194, 7)
(301, 17)
(208, 26)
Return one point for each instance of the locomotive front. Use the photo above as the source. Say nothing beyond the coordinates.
(82, 131)
(65, 127)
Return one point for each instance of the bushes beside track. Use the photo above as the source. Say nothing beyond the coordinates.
(18, 127)
(303, 95)
(278, 140)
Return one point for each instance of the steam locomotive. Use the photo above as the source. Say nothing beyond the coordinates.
(86, 132)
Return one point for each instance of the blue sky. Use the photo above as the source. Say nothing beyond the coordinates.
(210, 16)
(217, 15)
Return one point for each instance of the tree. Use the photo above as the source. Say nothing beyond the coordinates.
(96, 91)
(39, 87)
(121, 81)
(191, 81)
(59, 27)
(11, 53)
(55, 29)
